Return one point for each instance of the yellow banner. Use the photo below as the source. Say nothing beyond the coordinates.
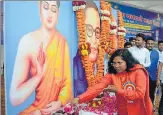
(137, 26)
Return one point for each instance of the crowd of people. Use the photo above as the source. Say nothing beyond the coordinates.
(133, 74)
(150, 54)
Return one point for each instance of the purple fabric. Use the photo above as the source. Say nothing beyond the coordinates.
(80, 82)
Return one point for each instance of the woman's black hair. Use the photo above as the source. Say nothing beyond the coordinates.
(126, 56)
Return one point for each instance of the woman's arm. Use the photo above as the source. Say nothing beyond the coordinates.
(95, 90)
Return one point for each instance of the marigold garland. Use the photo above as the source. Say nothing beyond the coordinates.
(121, 30)
(113, 35)
(82, 45)
(104, 41)
(107, 38)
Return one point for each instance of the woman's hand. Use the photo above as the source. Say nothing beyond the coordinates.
(111, 88)
(75, 101)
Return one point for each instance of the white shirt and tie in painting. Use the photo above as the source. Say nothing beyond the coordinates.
(141, 54)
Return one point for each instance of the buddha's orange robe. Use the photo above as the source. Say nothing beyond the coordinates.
(133, 94)
(56, 83)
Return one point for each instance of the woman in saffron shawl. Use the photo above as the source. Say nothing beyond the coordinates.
(129, 80)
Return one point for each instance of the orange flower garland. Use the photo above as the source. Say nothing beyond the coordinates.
(112, 37)
(80, 22)
(104, 41)
(78, 6)
(107, 39)
(105, 25)
(121, 31)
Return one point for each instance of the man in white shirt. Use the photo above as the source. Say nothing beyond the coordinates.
(160, 74)
(160, 78)
(140, 52)
(160, 47)
(160, 51)
(153, 68)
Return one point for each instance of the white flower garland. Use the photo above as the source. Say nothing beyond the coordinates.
(105, 12)
(113, 32)
(75, 8)
(122, 28)
(106, 18)
(113, 24)
(121, 33)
